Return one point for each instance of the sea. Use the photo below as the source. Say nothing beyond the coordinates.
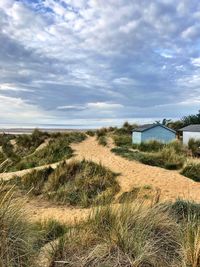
(81, 125)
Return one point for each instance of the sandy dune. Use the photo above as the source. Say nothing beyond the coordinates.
(132, 173)
(171, 184)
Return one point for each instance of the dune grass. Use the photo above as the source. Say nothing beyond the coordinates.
(143, 192)
(192, 171)
(167, 158)
(57, 150)
(16, 234)
(27, 143)
(83, 183)
(2, 157)
(127, 237)
(102, 140)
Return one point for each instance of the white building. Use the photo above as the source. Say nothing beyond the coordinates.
(190, 131)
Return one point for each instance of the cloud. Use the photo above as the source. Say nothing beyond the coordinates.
(104, 105)
(97, 60)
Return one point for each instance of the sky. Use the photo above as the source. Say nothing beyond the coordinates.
(98, 62)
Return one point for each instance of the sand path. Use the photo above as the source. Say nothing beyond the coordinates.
(133, 173)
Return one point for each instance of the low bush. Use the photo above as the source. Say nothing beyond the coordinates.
(144, 192)
(194, 146)
(90, 133)
(125, 237)
(192, 171)
(102, 140)
(122, 140)
(101, 132)
(183, 210)
(151, 146)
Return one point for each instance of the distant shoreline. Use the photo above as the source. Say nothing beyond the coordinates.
(30, 130)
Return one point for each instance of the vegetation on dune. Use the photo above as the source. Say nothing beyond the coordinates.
(57, 150)
(16, 235)
(122, 140)
(83, 183)
(151, 146)
(182, 210)
(167, 158)
(160, 235)
(5, 138)
(128, 236)
(192, 171)
(26, 144)
(90, 132)
(143, 192)
(194, 146)
(48, 230)
(187, 214)
(2, 157)
(102, 140)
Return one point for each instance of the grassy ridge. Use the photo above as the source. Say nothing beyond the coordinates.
(83, 183)
(57, 150)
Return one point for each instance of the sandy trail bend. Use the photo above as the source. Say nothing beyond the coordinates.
(132, 173)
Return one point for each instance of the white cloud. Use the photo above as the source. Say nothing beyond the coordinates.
(196, 61)
(13, 87)
(17, 110)
(104, 105)
(74, 107)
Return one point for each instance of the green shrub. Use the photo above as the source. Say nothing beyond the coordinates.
(127, 236)
(150, 146)
(90, 133)
(101, 132)
(183, 210)
(102, 140)
(194, 146)
(144, 192)
(122, 140)
(192, 171)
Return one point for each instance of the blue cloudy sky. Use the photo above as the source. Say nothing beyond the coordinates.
(98, 61)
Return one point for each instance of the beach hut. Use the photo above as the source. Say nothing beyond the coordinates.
(154, 131)
(189, 132)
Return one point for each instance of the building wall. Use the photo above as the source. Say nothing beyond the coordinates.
(188, 135)
(136, 137)
(158, 133)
